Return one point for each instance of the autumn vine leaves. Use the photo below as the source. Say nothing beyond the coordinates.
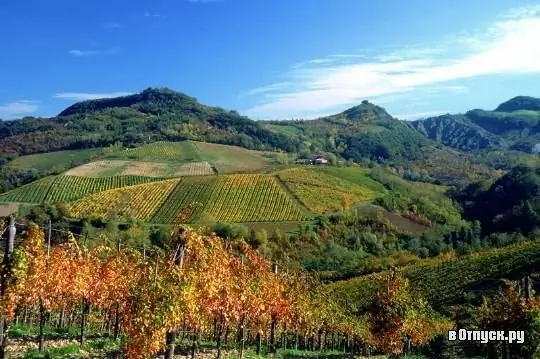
(207, 287)
(220, 287)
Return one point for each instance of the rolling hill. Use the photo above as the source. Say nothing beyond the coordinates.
(363, 133)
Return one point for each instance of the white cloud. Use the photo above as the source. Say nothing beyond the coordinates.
(420, 115)
(83, 96)
(149, 14)
(509, 45)
(17, 109)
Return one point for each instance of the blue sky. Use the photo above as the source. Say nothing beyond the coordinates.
(271, 59)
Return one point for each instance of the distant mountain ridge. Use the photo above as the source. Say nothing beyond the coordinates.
(513, 125)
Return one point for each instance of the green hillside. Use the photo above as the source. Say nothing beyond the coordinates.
(446, 282)
(55, 161)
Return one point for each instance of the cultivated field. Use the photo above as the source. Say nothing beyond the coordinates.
(70, 188)
(107, 168)
(61, 189)
(229, 159)
(34, 192)
(98, 169)
(139, 201)
(194, 169)
(356, 175)
(231, 198)
(180, 152)
(55, 160)
(322, 192)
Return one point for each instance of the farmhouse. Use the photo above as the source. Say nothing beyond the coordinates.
(321, 161)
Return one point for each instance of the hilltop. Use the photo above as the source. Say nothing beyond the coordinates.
(152, 115)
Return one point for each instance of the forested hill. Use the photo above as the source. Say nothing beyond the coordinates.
(513, 125)
(364, 131)
(152, 115)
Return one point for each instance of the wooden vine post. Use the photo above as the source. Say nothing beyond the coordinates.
(179, 236)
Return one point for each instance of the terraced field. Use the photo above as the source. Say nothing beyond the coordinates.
(322, 192)
(34, 192)
(139, 201)
(232, 198)
(229, 159)
(179, 152)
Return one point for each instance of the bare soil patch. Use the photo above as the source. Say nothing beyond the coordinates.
(96, 169)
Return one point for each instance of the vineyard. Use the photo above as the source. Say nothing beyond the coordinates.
(443, 282)
(232, 198)
(202, 289)
(60, 189)
(139, 201)
(187, 201)
(34, 192)
(71, 188)
(179, 152)
(356, 175)
(322, 192)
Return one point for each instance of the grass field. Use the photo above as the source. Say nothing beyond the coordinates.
(229, 159)
(356, 175)
(108, 168)
(445, 282)
(399, 222)
(178, 152)
(55, 160)
(231, 198)
(139, 201)
(321, 191)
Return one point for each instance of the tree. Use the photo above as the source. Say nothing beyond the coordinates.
(399, 319)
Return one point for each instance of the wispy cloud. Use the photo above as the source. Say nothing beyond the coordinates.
(83, 96)
(502, 47)
(17, 109)
(112, 25)
(420, 115)
(83, 53)
(149, 14)
(86, 53)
